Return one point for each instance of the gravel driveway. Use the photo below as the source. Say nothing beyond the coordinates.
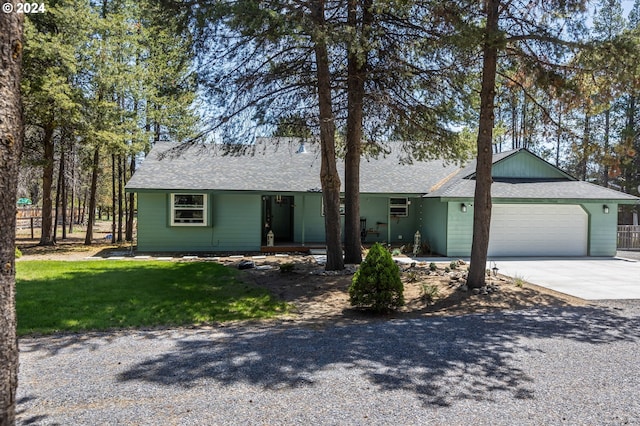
(544, 366)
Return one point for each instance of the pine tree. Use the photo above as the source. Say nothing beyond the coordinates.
(51, 101)
(526, 35)
(11, 142)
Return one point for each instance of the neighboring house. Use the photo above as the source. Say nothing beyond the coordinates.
(209, 200)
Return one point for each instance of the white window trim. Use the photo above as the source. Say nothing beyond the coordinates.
(405, 206)
(205, 209)
(341, 208)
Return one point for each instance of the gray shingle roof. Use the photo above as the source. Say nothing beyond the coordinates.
(271, 166)
(540, 189)
(275, 165)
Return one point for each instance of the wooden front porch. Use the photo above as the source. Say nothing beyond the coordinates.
(291, 248)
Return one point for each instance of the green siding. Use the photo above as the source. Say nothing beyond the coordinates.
(376, 211)
(459, 229)
(308, 216)
(152, 214)
(373, 208)
(403, 229)
(525, 165)
(382, 226)
(234, 224)
(434, 224)
(237, 222)
(603, 229)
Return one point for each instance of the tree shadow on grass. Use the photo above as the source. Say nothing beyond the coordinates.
(439, 360)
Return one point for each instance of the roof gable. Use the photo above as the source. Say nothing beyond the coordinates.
(520, 174)
(523, 164)
(519, 164)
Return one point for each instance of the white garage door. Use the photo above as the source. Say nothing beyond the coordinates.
(538, 230)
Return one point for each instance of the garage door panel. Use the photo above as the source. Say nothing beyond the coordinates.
(538, 230)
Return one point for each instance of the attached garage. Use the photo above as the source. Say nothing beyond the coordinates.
(538, 230)
(538, 210)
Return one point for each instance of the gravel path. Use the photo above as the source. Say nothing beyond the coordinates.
(545, 366)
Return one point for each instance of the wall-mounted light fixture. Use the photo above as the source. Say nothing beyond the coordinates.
(605, 209)
(463, 208)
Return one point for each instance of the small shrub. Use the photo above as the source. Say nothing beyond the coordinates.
(428, 293)
(396, 252)
(453, 265)
(433, 266)
(412, 276)
(447, 269)
(18, 253)
(518, 281)
(376, 285)
(285, 268)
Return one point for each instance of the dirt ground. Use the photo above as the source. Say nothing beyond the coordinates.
(319, 296)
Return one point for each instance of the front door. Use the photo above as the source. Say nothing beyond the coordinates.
(277, 216)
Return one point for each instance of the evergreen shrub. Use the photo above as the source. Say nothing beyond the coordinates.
(376, 285)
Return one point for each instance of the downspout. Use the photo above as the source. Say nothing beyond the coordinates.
(389, 221)
(303, 216)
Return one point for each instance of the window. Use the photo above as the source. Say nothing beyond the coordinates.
(398, 207)
(341, 206)
(189, 209)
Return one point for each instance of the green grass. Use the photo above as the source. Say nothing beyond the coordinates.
(55, 296)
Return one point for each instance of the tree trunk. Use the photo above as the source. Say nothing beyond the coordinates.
(63, 193)
(606, 148)
(586, 141)
(91, 214)
(514, 120)
(46, 236)
(11, 142)
(523, 123)
(73, 189)
(57, 203)
(329, 177)
(636, 147)
(132, 203)
(356, 75)
(84, 206)
(558, 137)
(633, 169)
(482, 197)
(113, 197)
(120, 209)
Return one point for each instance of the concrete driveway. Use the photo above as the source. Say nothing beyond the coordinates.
(585, 277)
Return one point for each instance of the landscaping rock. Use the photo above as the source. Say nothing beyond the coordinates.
(264, 267)
(246, 264)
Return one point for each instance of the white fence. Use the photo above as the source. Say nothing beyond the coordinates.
(629, 236)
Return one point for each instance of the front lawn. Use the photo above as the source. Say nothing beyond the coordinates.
(54, 296)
